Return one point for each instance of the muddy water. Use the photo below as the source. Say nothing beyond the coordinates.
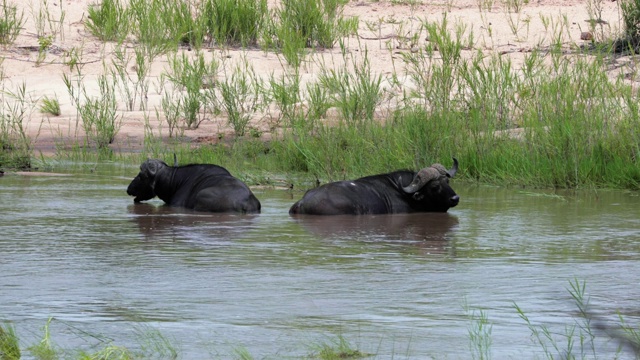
(404, 286)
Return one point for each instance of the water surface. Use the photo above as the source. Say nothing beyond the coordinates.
(399, 286)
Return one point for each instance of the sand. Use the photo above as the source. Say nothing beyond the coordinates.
(384, 29)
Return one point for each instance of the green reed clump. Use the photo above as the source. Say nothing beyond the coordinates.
(341, 152)
(316, 20)
(298, 25)
(559, 121)
(335, 349)
(185, 21)
(99, 115)
(16, 107)
(284, 91)
(242, 94)
(108, 20)
(480, 334)
(630, 40)
(578, 341)
(10, 22)
(355, 91)
(50, 106)
(192, 75)
(234, 23)
(110, 352)
(9, 344)
(157, 24)
(45, 349)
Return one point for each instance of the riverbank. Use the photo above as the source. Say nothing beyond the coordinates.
(515, 90)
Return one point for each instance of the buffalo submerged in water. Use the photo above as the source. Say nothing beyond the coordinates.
(201, 187)
(397, 192)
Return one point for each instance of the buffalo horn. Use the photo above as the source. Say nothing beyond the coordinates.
(422, 177)
(151, 166)
(452, 172)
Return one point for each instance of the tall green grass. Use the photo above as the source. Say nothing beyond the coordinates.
(16, 144)
(108, 20)
(191, 75)
(234, 23)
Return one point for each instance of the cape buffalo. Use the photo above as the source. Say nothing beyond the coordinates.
(398, 192)
(201, 187)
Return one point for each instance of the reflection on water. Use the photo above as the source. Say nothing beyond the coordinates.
(157, 221)
(418, 227)
(394, 285)
(429, 232)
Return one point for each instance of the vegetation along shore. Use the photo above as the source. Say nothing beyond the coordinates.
(327, 90)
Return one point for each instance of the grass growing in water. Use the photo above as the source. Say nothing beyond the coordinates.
(336, 349)
(16, 107)
(9, 345)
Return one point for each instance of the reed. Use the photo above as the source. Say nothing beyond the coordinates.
(50, 106)
(16, 107)
(10, 22)
(190, 75)
(241, 92)
(45, 349)
(300, 25)
(234, 23)
(355, 90)
(108, 20)
(479, 333)
(335, 349)
(9, 344)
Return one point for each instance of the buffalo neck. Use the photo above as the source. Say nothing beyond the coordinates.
(165, 181)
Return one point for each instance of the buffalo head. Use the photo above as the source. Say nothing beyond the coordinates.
(433, 183)
(142, 186)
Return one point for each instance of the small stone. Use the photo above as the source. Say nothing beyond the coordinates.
(586, 35)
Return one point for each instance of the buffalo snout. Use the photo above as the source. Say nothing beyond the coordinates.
(141, 189)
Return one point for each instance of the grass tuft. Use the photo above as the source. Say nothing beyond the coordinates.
(108, 20)
(50, 106)
(336, 349)
(9, 344)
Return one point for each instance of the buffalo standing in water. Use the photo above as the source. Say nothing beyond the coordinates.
(201, 187)
(398, 192)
